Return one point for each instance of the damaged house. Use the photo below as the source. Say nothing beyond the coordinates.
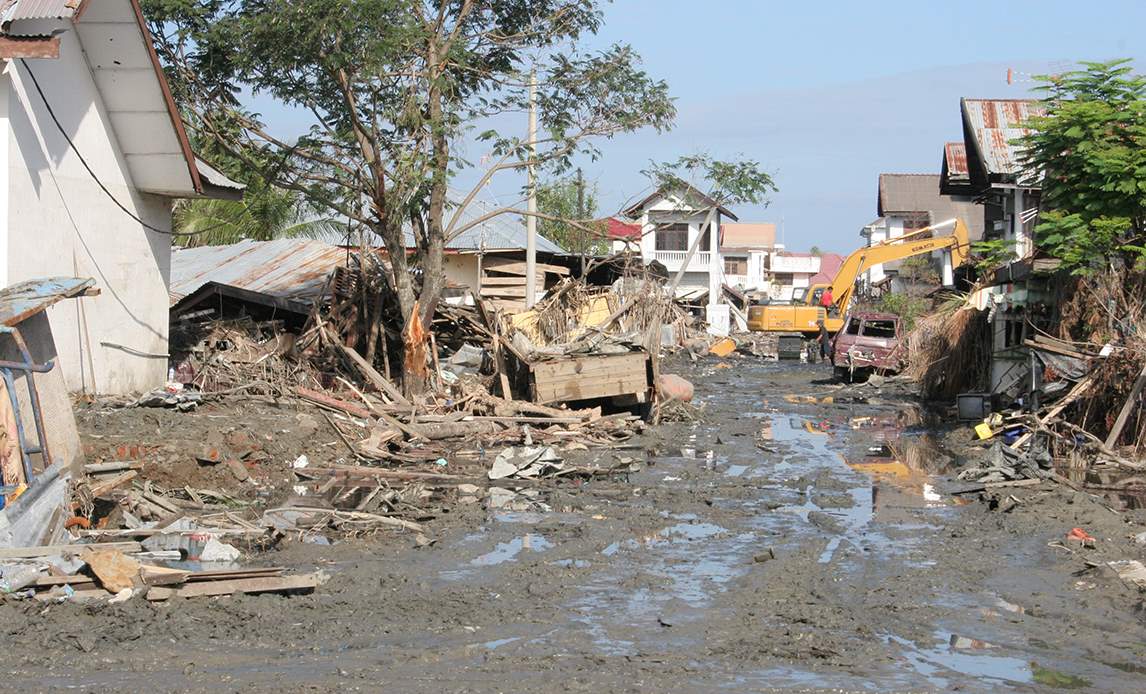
(987, 167)
(94, 156)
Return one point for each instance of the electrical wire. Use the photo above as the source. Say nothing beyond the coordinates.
(108, 193)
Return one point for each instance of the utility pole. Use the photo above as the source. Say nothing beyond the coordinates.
(581, 207)
(531, 207)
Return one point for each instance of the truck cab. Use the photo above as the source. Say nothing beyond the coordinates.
(869, 342)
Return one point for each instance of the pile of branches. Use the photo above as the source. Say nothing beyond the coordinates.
(949, 351)
(1110, 309)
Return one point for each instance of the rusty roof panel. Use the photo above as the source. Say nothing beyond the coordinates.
(956, 156)
(23, 300)
(996, 124)
(294, 269)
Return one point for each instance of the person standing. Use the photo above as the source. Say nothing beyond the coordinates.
(825, 340)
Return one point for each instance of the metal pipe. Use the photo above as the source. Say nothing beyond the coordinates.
(25, 459)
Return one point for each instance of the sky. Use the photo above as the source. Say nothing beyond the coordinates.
(827, 95)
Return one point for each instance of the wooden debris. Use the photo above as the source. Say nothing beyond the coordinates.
(67, 550)
(302, 583)
(115, 570)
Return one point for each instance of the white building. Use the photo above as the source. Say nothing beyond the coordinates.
(81, 84)
(791, 271)
(667, 224)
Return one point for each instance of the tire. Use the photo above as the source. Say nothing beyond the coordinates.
(842, 374)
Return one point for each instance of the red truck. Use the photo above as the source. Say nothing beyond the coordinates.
(868, 343)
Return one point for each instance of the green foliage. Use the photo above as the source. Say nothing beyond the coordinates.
(992, 253)
(1089, 151)
(390, 89)
(918, 269)
(726, 182)
(909, 308)
(573, 205)
(264, 213)
(815, 250)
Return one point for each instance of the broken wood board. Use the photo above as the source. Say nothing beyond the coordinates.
(371, 374)
(306, 582)
(49, 550)
(585, 377)
(102, 487)
(115, 570)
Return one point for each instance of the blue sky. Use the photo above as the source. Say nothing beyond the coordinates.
(827, 95)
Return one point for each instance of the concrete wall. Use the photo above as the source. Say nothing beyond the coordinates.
(60, 223)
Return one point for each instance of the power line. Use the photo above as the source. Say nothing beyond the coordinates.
(108, 193)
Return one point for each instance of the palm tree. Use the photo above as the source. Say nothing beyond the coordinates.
(265, 212)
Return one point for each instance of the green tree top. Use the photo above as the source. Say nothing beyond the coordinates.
(1088, 151)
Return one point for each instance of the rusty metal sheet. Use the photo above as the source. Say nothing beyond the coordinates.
(956, 154)
(995, 125)
(21, 301)
(293, 269)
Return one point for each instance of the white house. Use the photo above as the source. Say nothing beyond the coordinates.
(94, 155)
(790, 271)
(671, 222)
(746, 249)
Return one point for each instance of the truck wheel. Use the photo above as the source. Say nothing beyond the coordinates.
(842, 374)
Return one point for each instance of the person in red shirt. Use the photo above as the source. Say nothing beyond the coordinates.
(826, 299)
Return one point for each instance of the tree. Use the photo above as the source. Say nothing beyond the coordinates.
(571, 208)
(1088, 151)
(391, 88)
(816, 251)
(264, 213)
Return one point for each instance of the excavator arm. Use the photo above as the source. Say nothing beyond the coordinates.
(898, 248)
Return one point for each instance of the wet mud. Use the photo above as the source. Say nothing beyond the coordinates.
(802, 536)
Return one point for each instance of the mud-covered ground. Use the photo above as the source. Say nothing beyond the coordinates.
(800, 537)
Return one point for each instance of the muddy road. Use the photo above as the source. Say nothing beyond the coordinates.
(801, 537)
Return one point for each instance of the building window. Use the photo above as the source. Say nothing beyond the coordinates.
(673, 237)
(735, 266)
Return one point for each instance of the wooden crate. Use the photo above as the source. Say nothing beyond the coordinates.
(591, 376)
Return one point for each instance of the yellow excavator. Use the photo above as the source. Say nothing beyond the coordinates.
(805, 312)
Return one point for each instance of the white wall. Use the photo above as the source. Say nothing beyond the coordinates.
(60, 223)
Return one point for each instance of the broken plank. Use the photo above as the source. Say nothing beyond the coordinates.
(387, 474)
(98, 489)
(371, 374)
(514, 266)
(238, 585)
(332, 403)
(987, 486)
(49, 550)
(96, 468)
(1127, 408)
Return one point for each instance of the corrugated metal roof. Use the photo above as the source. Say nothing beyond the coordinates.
(17, 10)
(622, 230)
(956, 155)
(504, 232)
(286, 268)
(995, 124)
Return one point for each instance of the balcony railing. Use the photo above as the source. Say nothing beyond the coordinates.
(674, 260)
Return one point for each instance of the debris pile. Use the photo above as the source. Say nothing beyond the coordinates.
(115, 572)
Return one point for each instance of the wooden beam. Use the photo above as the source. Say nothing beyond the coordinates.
(1127, 408)
(48, 550)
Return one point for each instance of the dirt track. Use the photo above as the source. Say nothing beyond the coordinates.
(776, 545)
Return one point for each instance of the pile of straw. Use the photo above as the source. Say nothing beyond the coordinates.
(948, 352)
